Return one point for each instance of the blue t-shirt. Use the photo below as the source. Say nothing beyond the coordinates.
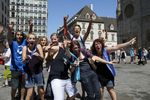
(16, 50)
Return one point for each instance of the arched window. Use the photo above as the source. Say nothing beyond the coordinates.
(129, 10)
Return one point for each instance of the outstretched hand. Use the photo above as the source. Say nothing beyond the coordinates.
(11, 25)
(132, 41)
(66, 17)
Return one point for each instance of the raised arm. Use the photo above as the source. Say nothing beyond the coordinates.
(30, 26)
(88, 29)
(66, 33)
(10, 33)
(119, 46)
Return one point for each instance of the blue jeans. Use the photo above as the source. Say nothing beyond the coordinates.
(91, 85)
(34, 79)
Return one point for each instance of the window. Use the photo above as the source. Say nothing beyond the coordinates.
(99, 33)
(83, 32)
(94, 16)
(44, 23)
(13, 14)
(91, 35)
(92, 26)
(87, 16)
(2, 6)
(5, 10)
(129, 10)
(35, 30)
(83, 25)
(26, 29)
(113, 37)
(99, 26)
(43, 30)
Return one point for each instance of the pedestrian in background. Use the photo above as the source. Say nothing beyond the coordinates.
(7, 58)
(43, 41)
(145, 52)
(123, 56)
(148, 56)
(132, 55)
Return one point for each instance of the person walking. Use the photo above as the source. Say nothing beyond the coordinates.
(123, 55)
(132, 55)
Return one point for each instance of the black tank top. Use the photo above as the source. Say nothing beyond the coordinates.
(59, 69)
(34, 64)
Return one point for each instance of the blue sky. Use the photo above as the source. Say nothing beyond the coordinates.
(57, 9)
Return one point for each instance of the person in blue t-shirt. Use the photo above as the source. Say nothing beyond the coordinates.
(17, 65)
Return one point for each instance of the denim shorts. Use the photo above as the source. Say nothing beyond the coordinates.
(34, 79)
(17, 80)
(109, 84)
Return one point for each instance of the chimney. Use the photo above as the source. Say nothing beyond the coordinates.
(91, 6)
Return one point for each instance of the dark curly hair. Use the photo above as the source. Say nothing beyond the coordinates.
(73, 43)
(100, 40)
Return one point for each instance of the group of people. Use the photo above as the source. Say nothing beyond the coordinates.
(63, 60)
(137, 56)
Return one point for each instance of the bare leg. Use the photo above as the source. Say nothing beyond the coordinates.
(23, 92)
(101, 93)
(29, 94)
(112, 93)
(41, 92)
(13, 93)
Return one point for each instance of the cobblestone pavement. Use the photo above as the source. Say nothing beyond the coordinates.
(132, 83)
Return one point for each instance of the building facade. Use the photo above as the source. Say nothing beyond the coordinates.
(99, 24)
(21, 11)
(133, 20)
(4, 12)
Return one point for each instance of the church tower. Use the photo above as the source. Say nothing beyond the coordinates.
(133, 20)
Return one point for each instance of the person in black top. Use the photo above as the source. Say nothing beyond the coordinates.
(58, 75)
